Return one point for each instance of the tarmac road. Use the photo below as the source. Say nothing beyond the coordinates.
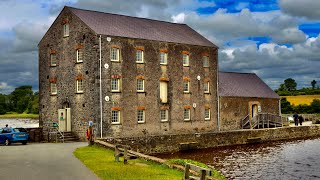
(43, 161)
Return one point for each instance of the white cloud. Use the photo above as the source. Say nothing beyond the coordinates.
(178, 18)
(301, 8)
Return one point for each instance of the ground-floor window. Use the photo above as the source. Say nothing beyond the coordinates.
(207, 114)
(115, 117)
(164, 115)
(186, 114)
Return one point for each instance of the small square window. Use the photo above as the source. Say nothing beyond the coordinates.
(115, 85)
(115, 117)
(140, 85)
(185, 59)
(53, 88)
(66, 30)
(163, 58)
(186, 86)
(53, 60)
(206, 87)
(79, 86)
(79, 53)
(115, 54)
(186, 114)
(164, 115)
(140, 116)
(207, 114)
(139, 56)
(205, 61)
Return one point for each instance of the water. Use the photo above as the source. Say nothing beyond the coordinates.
(298, 159)
(25, 123)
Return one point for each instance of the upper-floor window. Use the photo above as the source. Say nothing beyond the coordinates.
(79, 54)
(207, 87)
(163, 58)
(53, 88)
(53, 60)
(140, 85)
(164, 115)
(115, 117)
(186, 86)
(79, 84)
(115, 54)
(139, 56)
(66, 30)
(141, 116)
(164, 90)
(185, 58)
(205, 61)
(115, 84)
(186, 114)
(207, 114)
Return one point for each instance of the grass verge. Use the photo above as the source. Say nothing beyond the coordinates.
(101, 162)
(183, 162)
(19, 116)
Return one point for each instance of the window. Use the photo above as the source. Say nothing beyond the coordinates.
(186, 86)
(163, 58)
(115, 85)
(53, 88)
(185, 59)
(79, 55)
(66, 30)
(115, 54)
(140, 85)
(206, 87)
(140, 116)
(53, 60)
(207, 114)
(115, 117)
(205, 61)
(163, 91)
(79, 86)
(139, 56)
(186, 114)
(164, 115)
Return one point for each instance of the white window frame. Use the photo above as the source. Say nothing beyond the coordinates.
(79, 53)
(207, 110)
(115, 52)
(53, 60)
(79, 86)
(163, 58)
(140, 85)
(117, 118)
(138, 58)
(66, 30)
(165, 117)
(117, 81)
(185, 59)
(206, 87)
(205, 61)
(53, 87)
(139, 116)
(186, 84)
(188, 117)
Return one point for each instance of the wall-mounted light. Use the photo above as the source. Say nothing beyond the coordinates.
(198, 77)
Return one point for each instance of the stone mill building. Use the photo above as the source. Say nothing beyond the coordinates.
(130, 76)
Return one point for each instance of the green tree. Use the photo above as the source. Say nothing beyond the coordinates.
(313, 84)
(33, 106)
(290, 84)
(20, 98)
(286, 107)
(3, 104)
(315, 106)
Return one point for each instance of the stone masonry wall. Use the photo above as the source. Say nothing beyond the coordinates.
(234, 109)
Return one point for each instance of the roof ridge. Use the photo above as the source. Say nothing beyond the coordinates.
(237, 72)
(126, 16)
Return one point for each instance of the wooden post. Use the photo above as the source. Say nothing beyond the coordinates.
(116, 153)
(91, 141)
(203, 174)
(186, 172)
(125, 156)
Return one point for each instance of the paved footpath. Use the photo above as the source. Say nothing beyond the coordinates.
(43, 161)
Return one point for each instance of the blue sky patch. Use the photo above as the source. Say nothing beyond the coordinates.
(312, 30)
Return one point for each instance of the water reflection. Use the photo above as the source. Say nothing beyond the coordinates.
(277, 160)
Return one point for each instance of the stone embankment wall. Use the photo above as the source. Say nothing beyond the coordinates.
(173, 143)
(35, 134)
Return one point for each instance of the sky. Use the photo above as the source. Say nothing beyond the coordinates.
(276, 39)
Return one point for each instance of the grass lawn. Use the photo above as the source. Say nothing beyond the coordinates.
(19, 116)
(303, 99)
(101, 162)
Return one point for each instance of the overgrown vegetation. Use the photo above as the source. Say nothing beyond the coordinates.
(21, 100)
(101, 162)
(183, 162)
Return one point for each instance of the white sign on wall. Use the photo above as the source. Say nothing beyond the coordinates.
(259, 108)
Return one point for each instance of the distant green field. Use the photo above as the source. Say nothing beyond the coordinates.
(19, 116)
(303, 99)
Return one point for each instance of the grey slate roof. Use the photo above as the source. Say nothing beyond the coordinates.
(140, 28)
(244, 85)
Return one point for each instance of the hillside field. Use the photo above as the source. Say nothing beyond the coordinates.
(303, 99)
